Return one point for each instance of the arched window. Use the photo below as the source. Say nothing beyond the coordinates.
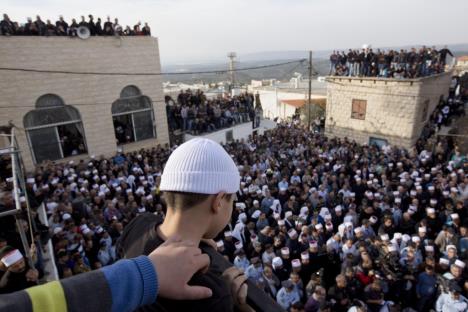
(133, 116)
(54, 130)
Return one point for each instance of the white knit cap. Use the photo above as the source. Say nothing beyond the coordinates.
(277, 262)
(200, 166)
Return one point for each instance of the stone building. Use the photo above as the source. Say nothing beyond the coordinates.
(461, 66)
(382, 110)
(64, 115)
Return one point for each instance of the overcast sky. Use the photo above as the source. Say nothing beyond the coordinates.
(199, 30)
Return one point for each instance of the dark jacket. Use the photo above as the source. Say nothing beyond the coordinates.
(140, 238)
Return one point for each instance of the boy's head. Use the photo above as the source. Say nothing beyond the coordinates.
(200, 178)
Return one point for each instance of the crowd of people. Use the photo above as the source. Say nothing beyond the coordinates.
(61, 28)
(319, 224)
(412, 63)
(194, 113)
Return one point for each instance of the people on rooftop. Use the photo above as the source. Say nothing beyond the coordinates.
(412, 63)
(196, 114)
(62, 28)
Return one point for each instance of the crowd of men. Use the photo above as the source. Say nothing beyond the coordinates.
(319, 224)
(61, 28)
(194, 113)
(412, 63)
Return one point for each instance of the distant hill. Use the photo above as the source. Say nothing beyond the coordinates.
(283, 73)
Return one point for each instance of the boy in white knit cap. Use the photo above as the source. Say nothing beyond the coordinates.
(199, 182)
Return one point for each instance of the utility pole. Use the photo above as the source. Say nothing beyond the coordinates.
(310, 88)
(232, 67)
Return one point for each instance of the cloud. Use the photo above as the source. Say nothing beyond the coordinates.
(201, 30)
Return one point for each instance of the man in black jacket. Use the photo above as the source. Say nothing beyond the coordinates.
(61, 27)
(351, 60)
(146, 30)
(83, 22)
(98, 27)
(40, 26)
(361, 58)
(6, 26)
(72, 29)
(443, 55)
(91, 25)
(108, 28)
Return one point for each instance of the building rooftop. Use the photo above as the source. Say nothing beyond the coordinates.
(382, 79)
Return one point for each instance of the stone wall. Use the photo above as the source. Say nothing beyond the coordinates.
(92, 95)
(394, 109)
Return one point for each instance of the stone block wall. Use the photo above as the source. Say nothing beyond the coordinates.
(394, 107)
(92, 95)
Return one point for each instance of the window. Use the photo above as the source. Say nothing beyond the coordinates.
(377, 142)
(425, 109)
(54, 130)
(359, 109)
(133, 117)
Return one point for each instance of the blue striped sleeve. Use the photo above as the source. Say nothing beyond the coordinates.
(132, 282)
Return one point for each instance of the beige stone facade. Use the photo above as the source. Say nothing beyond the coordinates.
(462, 65)
(91, 95)
(395, 110)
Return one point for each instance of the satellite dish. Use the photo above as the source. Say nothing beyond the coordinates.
(83, 32)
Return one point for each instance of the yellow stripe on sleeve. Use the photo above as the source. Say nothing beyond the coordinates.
(48, 297)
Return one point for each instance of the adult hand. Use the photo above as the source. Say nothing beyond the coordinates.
(32, 275)
(175, 262)
(235, 279)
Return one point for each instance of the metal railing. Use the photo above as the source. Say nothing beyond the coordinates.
(19, 188)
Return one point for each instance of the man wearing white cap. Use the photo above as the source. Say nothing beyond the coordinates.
(281, 272)
(199, 182)
(293, 244)
(456, 272)
(285, 256)
(17, 275)
(433, 223)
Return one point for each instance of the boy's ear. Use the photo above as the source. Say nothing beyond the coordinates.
(216, 205)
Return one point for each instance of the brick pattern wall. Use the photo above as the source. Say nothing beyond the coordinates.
(92, 95)
(393, 110)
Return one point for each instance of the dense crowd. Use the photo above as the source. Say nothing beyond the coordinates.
(412, 63)
(195, 113)
(61, 28)
(319, 224)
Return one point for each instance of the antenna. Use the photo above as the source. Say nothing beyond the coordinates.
(232, 66)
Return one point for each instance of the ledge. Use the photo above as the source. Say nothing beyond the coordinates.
(381, 79)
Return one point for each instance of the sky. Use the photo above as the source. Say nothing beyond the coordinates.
(197, 31)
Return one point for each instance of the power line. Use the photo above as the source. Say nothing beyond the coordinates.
(222, 71)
